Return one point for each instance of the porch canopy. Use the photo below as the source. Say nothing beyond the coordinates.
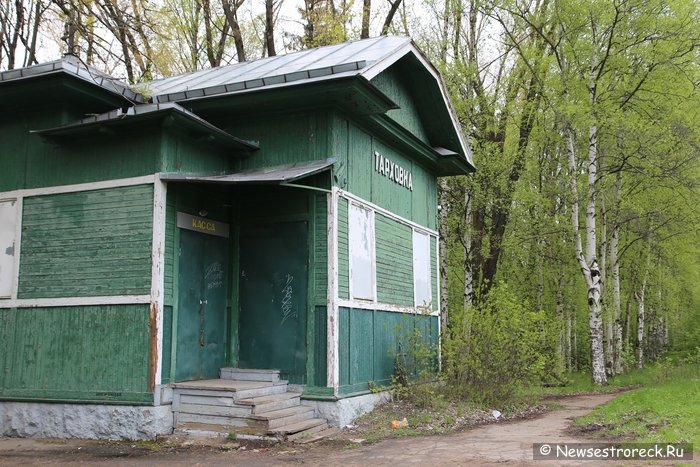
(279, 175)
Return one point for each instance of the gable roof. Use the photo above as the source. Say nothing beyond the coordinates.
(321, 63)
(364, 59)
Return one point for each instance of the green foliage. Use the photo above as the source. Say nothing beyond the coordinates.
(496, 348)
(416, 376)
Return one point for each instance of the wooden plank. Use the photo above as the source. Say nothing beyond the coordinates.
(72, 252)
(218, 410)
(95, 353)
(231, 422)
(206, 400)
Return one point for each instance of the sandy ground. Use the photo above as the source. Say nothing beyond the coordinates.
(495, 444)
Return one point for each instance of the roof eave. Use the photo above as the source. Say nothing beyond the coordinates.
(172, 115)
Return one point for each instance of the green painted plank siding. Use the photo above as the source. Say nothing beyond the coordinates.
(356, 173)
(283, 138)
(360, 163)
(394, 253)
(343, 250)
(320, 348)
(369, 342)
(89, 243)
(96, 353)
(169, 272)
(181, 153)
(167, 344)
(392, 83)
(320, 269)
(434, 272)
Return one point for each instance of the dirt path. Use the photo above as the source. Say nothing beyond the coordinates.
(493, 444)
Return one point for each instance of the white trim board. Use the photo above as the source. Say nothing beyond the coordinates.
(333, 326)
(386, 212)
(54, 190)
(366, 305)
(75, 301)
(158, 268)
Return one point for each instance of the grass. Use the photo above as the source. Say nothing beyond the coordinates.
(660, 403)
(663, 411)
(663, 404)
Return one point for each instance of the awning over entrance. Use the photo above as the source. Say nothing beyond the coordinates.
(281, 174)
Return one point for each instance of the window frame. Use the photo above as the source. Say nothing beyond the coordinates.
(8, 286)
(418, 300)
(369, 227)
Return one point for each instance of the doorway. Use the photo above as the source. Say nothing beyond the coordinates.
(273, 292)
(202, 298)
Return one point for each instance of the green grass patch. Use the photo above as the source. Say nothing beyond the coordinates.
(666, 409)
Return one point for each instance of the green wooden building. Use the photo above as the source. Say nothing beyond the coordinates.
(239, 227)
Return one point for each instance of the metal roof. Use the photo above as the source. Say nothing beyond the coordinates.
(73, 66)
(334, 61)
(278, 174)
(365, 58)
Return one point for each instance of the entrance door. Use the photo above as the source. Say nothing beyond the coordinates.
(201, 320)
(273, 298)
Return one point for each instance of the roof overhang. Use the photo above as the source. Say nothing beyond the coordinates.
(353, 94)
(169, 114)
(442, 124)
(276, 175)
(74, 69)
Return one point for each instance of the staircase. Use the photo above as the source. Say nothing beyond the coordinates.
(245, 402)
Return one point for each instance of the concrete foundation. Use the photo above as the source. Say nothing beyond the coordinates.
(87, 421)
(342, 412)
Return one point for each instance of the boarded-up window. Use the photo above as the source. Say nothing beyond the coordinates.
(361, 248)
(8, 230)
(421, 268)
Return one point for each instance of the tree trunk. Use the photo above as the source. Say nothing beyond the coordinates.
(231, 12)
(639, 297)
(588, 263)
(616, 302)
(269, 28)
(561, 334)
(468, 245)
(443, 230)
(366, 10)
(390, 16)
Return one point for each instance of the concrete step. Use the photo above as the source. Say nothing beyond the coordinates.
(282, 417)
(222, 411)
(311, 425)
(219, 423)
(243, 374)
(305, 438)
(211, 430)
(273, 402)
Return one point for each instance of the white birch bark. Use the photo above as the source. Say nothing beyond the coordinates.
(466, 241)
(608, 334)
(616, 301)
(442, 248)
(639, 297)
(588, 263)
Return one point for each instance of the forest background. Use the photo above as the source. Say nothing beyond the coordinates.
(576, 244)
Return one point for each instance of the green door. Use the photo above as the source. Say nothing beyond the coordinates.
(201, 316)
(273, 298)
